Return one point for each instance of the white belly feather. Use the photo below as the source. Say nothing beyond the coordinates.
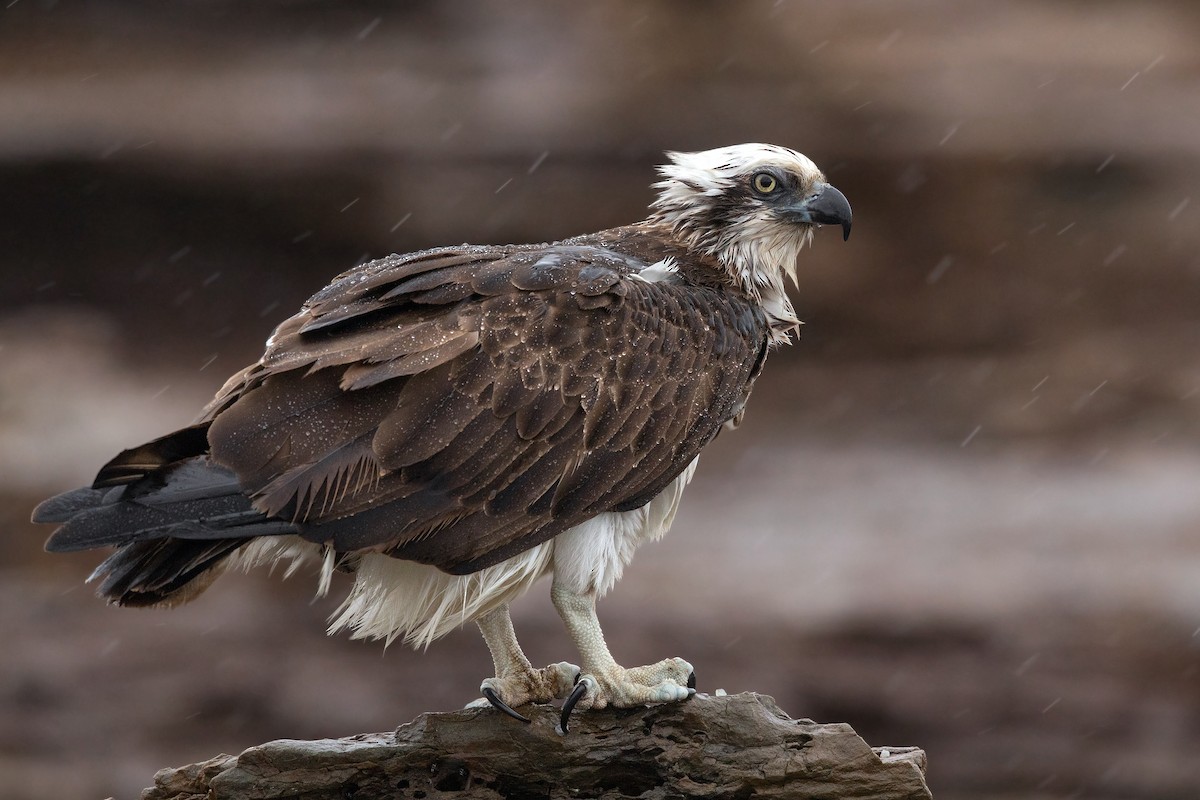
(392, 598)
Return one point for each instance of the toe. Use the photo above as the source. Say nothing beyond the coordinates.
(675, 670)
(668, 692)
(560, 679)
(495, 700)
(586, 690)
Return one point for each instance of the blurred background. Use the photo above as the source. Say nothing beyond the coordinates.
(963, 512)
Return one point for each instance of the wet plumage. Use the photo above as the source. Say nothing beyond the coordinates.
(459, 408)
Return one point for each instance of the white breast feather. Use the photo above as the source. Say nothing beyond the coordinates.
(592, 556)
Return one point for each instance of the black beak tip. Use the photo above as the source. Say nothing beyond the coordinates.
(828, 207)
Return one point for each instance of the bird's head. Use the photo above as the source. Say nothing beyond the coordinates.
(753, 207)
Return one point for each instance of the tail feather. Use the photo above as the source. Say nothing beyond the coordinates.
(162, 572)
(61, 508)
(138, 462)
(199, 500)
(173, 514)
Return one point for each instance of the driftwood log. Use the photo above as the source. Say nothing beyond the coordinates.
(736, 746)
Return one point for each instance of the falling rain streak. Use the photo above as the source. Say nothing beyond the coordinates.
(939, 269)
(371, 26)
(537, 162)
(971, 436)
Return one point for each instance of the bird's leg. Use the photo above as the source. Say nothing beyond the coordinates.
(605, 682)
(517, 682)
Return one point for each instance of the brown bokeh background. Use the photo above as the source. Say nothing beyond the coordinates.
(963, 513)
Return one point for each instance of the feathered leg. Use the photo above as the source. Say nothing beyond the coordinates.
(605, 682)
(517, 682)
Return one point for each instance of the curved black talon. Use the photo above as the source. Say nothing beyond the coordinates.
(495, 700)
(692, 681)
(578, 692)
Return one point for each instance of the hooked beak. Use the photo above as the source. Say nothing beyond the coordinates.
(825, 206)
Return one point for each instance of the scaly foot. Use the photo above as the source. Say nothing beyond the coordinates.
(668, 681)
(518, 688)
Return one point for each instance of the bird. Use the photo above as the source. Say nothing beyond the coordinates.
(450, 426)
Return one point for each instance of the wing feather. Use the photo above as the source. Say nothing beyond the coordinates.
(457, 406)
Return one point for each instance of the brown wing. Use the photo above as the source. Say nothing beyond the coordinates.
(458, 406)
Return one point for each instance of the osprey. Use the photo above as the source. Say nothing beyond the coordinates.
(449, 426)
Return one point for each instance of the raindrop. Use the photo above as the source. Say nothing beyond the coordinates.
(911, 179)
(211, 279)
(208, 362)
(451, 131)
(949, 133)
(302, 237)
(1132, 78)
(1178, 209)
(537, 162)
(939, 270)
(1117, 252)
(502, 186)
(891, 39)
(268, 308)
(402, 220)
(178, 254)
(1158, 60)
(818, 47)
(1087, 396)
(365, 32)
(1039, 384)
(971, 436)
(46, 286)
(1065, 228)
(347, 207)
(1053, 703)
(1105, 163)
(1026, 664)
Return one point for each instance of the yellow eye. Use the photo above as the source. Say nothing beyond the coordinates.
(765, 183)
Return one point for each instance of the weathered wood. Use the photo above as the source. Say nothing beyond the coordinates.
(734, 746)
